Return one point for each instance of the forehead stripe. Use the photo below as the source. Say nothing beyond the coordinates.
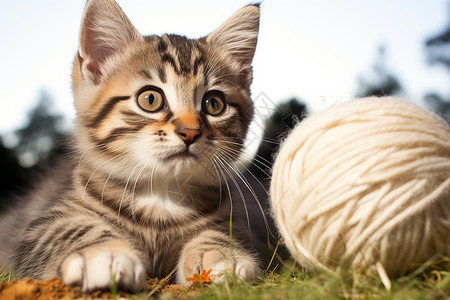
(167, 58)
(162, 75)
(146, 74)
(198, 62)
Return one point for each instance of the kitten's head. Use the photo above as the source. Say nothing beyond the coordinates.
(162, 103)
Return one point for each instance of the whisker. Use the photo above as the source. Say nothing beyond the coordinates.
(267, 163)
(252, 191)
(123, 158)
(93, 173)
(268, 140)
(150, 180)
(84, 153)
(220, 182)
(87, 183)
(134, 191)
(231, 202)
(225, 163)
(125, 189)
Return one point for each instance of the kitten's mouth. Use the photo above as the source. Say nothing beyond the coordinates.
(182, 155)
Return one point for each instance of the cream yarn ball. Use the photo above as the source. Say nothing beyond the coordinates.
(362, 183)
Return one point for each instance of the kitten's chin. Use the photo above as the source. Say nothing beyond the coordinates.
(185, 162)
(186, 157)
(183, 158)
(173, 161)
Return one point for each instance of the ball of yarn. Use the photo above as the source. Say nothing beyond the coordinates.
(363, 183)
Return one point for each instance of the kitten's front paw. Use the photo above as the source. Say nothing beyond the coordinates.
(219, 259)
(97, 266)
(240, 264)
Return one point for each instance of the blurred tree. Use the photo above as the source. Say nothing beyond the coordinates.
(31, 148)
(438, 52)
(41, 137)
(380, 82)
(12, 174)
(438, 47)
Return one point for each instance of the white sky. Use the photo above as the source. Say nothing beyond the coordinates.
(312, 49)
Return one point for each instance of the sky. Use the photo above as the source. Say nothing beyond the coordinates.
(310, 49)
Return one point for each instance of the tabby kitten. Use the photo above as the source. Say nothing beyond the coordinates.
(159, 122)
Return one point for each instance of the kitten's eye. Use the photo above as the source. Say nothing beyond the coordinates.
(213, 103)
(150, 100)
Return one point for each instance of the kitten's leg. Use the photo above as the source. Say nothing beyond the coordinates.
(211, 250)
(97, 266)
(81, 250)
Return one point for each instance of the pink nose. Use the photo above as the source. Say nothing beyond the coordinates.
(188, 135)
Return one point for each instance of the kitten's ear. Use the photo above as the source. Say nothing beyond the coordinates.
(239, 34)
(105, 31)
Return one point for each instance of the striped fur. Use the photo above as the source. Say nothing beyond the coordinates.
(145, 192)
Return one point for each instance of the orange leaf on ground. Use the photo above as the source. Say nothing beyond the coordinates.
(202, 278)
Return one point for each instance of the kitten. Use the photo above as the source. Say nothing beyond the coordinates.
(159, 122)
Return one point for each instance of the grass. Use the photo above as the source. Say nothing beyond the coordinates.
(295, 283)
(299, 284)
(6, 276)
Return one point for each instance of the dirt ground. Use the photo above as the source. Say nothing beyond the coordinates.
(29, 289)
